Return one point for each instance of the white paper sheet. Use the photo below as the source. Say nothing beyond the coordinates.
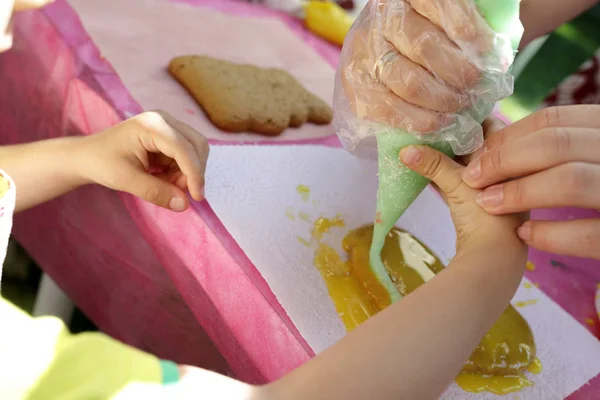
(252, 188)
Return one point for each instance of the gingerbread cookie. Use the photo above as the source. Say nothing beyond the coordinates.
(245, 98)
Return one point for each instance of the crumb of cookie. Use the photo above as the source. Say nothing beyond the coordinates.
(246, 98)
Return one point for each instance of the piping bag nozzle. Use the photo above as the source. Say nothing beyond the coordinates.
(398, 188)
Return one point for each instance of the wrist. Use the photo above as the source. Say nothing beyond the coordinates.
(78, 150)
(496, 257)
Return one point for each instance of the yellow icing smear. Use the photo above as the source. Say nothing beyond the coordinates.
(499, 385)
(290, 214)
(499, 361)
(304, 192)
(304, 216)
(526, 303)
(530, 266)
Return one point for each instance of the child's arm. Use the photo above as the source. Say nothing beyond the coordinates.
(416, 347)
(41, 170)
(119, 158)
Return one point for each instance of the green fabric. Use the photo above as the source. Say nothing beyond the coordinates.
(503, 17)
(170, 372)
(560, 55)
(41, 360)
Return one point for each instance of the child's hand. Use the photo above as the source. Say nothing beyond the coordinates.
(449, 315)
(152, 156)
(7, 7)
(473, 225)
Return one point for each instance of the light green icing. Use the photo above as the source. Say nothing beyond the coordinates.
(398, 185)
(503, 17)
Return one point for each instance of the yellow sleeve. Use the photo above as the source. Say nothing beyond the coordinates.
(41, 360)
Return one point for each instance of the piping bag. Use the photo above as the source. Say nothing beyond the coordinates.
(398, 185)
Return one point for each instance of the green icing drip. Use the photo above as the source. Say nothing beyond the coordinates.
(398, 185)
(503, 17)
(398, 188)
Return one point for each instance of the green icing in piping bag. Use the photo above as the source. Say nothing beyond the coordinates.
(398, 185)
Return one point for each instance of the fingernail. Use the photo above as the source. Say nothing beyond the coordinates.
(491, 197)
(473, 171)
(410, 155)
(524, 231)
(177, 204)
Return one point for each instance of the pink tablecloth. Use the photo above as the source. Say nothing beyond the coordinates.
(175, 285)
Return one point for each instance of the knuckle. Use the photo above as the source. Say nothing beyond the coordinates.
(498, 139)
(540, 237)
(413, 88)
(430, 123)
(152, 121)
(589, 238)
(431, 169)
(183, 149)
(560, 141)
(516, 193)
(465, 32)
(162, 113)
(150, 118)
(470, 75)
(577, 178)
(421, 50)
(589, 241)
(494, 161)
(185, 145)
(548, 117)
(153, 195)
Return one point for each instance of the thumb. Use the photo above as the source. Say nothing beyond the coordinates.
(433, 165)
(159, 192)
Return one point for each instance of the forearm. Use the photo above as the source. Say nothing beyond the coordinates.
(415, 348)
(540, 17)
(42, 170)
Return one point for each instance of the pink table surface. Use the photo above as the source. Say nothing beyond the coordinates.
(175, 285)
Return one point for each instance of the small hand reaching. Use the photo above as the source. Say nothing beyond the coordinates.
(152, 156)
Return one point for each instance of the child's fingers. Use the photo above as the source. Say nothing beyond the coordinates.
(25, 5)
(157, 191)
(168, 140)
(433, 165)
(195, 138)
